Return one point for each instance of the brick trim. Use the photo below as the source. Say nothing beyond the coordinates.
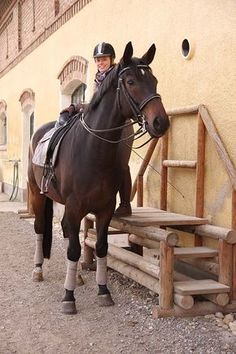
(27, 98)
(74, 69)
(59, 22)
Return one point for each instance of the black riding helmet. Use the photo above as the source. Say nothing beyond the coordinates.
(103, 50)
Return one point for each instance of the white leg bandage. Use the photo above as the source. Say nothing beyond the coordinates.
(70, 282)
(101, 273)
(38, 256)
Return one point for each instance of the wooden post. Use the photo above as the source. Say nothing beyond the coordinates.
(164, 173)
(140, 191)
(233, 224)
(166, 275)
(88, 251)
(225, 263)
(199, 208)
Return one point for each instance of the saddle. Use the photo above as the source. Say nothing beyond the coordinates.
(47, 151)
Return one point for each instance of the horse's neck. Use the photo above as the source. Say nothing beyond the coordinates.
(107, 114)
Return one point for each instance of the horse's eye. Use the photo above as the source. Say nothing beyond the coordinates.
(130, 82)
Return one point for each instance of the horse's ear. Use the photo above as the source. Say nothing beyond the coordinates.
(127, 54)
(148, 57)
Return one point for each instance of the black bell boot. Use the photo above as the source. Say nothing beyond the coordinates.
(124, 209)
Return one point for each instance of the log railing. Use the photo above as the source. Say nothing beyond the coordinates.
(205, 123)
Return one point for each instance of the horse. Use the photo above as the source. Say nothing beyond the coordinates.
(88, 173)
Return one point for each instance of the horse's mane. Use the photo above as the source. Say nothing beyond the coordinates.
(103, 88)
(108, 81)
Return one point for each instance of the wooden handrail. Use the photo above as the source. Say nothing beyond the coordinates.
(211, 129)
(223, 154)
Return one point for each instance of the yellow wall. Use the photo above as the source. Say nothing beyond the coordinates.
(208, 77)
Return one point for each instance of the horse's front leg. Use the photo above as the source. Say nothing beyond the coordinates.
(71, 227)
(102, 224)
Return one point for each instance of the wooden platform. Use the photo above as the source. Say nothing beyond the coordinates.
(157, 217)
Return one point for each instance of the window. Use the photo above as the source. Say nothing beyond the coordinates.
(79, 94)
(3, 129)
(31, 124)
(56, 7)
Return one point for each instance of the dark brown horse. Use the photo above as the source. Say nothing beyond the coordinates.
(87, 172)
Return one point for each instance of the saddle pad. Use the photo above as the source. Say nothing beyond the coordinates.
(51, 141)
(40, 153)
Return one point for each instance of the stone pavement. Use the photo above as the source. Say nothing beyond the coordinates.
(6, 205)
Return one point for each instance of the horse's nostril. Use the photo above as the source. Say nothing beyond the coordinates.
(161, 125)
(156, 123)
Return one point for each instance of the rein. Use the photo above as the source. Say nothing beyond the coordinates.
(94, 131)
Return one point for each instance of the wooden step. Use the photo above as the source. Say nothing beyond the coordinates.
(198, 287)
(157, 217)
(180, 163)
(194, 252)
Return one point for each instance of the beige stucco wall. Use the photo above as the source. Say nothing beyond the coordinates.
(208, 77)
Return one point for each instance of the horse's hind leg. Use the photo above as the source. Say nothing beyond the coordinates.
(42, 207)
(71, 226)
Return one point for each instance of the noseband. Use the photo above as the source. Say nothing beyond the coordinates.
(135, 107)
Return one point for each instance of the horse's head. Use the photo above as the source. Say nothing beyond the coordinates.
(137, 86)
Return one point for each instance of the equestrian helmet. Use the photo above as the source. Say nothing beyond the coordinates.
(104, 50)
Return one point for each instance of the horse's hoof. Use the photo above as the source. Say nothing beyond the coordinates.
(89, 266)
(105, 300)
(80, 280)
(69, 308)
(37, 274)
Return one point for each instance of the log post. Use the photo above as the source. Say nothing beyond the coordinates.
(88, 251)
(166, 275)
(164, 173)
(140, 191)
(199, 208)
(225, 263)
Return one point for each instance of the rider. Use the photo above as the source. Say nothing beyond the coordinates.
(104, 56)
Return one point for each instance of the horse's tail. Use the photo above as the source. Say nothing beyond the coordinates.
(47, 235)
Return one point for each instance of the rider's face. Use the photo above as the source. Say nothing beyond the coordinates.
(103, 63)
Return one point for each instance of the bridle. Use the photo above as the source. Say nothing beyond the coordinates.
(136, 108)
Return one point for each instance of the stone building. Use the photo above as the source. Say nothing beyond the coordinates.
(46, 62)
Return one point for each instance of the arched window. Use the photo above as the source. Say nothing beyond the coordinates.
(3, 129)
(79, 94)
(31, 124)
(27, 101)
(3, 125)
(56, 7)
(73, 78)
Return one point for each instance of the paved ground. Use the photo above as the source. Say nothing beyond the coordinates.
(30, 313)
(6, 205)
